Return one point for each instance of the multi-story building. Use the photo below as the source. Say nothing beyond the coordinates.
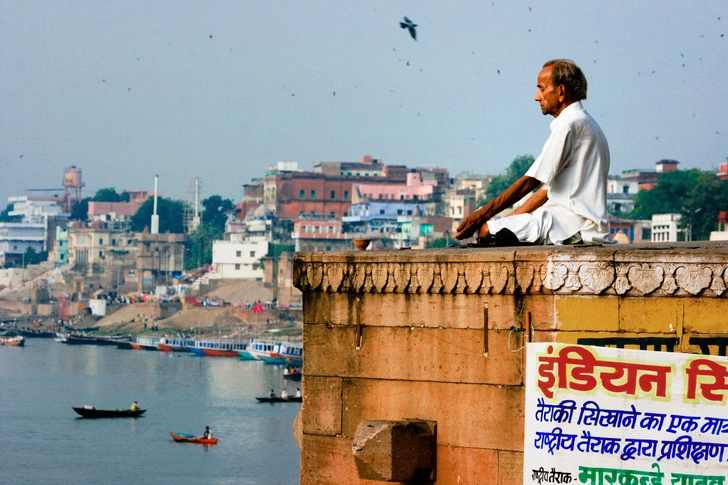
(311, 235)
(102, 249)
(328, 190)
(379, 219)
(17, 237)
(60, 253)
(414, 189)
(238, 258)
(40, 210)
(666, 228)
(159, 259)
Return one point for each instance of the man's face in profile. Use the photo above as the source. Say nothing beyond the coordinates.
(548, 95)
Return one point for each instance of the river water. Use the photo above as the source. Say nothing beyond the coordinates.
(45, 442)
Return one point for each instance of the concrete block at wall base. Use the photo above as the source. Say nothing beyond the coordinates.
(330, 461)
(321, 410)
(396, 451)
(467, 415)
(428, 310)
(413, 353)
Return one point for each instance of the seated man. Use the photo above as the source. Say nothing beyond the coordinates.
(284, 394)
(134, 406)
(207, 434)
(571, 172)
(272, 394)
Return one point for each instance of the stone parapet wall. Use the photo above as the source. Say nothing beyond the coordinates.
(391, 335)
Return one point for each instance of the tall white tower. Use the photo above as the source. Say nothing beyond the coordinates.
(155, 217)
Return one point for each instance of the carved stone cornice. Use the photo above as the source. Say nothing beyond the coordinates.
(654, 270)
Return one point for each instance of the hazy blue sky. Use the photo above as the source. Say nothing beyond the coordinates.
(126, 89)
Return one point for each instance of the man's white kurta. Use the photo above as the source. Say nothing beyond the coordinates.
(574, 164)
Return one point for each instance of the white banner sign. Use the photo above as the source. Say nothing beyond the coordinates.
(604, 416)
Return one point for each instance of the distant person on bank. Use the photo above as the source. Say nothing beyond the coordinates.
(570, 205)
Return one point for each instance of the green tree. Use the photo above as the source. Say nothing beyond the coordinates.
(702, 204)
(170, 215)
(216, 210)
(106, 195)
(698, 196)
(5, 214)
(79, 210)
(199, 244)
(667, 197)
(517, 169)
(32, 257)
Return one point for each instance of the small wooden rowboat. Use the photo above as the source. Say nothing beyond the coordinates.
(109, 413)
(16, 341)
(280, 399)
(190, 438)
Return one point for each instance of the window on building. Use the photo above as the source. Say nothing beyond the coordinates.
(332, 215)
(381, 211)
(237, 266)
(401, 197)
(358, 174)
(381, 196)
(346, 194)
(399, 212)
(252, 254)
(303, 194)
(625, 189)
(460, 210)
(313, 194)
(101, 254)
(409, 213)
(113, 242)
(238, 254)
(101, 242)
(333, 194)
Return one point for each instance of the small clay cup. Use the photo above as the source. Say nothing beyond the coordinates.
(362, 244)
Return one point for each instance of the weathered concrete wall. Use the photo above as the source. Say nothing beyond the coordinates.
(421, 354)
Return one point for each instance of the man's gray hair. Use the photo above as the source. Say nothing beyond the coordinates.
(566, 72)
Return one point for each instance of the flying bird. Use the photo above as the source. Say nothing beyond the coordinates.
(409, 25)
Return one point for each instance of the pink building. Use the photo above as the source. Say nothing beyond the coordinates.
(320, 235)
(415, 189)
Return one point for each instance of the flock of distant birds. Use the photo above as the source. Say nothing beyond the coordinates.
(411, 28)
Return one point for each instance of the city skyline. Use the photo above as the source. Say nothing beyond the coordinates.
(223, 91)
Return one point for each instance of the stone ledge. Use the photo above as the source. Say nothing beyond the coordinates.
(667, 270)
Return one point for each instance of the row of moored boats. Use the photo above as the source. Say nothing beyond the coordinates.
(269, 351)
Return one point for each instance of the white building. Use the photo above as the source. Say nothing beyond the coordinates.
(16, 238)
(35, 211)
(238, 258)
(666, 227)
